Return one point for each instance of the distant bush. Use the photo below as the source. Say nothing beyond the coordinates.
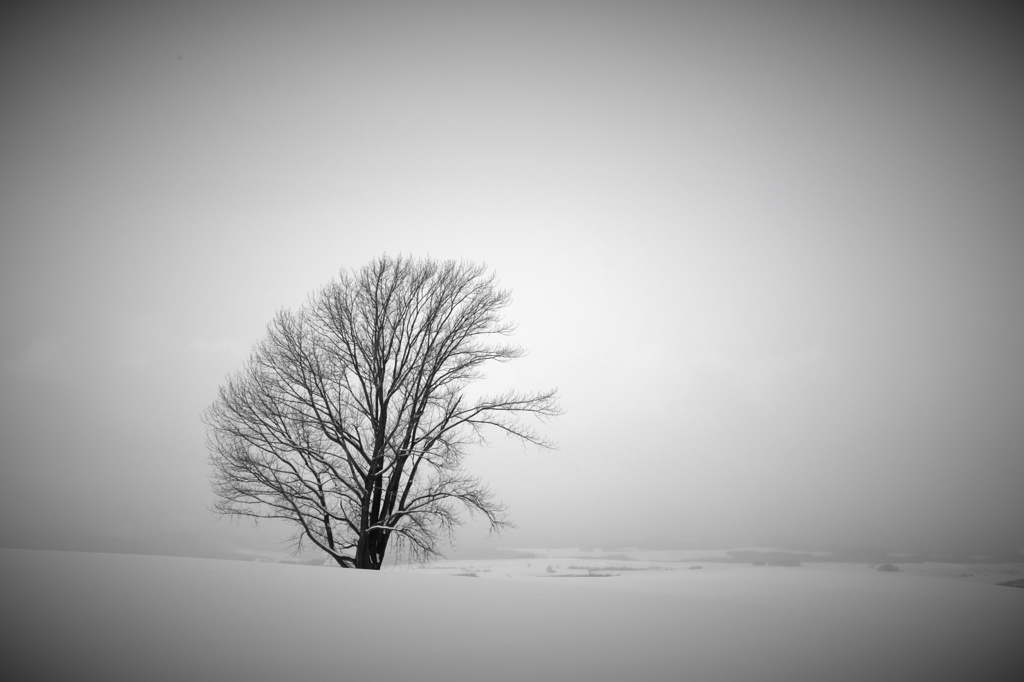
(887, 567)
(575, 567)
(776, 558)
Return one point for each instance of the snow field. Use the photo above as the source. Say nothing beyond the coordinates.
(88, 616)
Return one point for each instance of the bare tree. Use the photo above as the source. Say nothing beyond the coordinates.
(351, 418)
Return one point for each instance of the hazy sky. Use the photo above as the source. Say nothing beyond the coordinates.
(771, 254)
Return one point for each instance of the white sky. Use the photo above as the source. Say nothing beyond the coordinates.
(771, 254)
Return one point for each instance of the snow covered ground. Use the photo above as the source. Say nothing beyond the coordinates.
(81, 616)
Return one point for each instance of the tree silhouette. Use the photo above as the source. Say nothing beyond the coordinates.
(351, 419)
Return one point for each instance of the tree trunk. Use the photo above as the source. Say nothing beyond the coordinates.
(368, 554)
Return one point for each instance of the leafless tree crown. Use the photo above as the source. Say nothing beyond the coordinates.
(351, 418)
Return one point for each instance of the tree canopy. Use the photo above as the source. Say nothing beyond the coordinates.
(352, 418)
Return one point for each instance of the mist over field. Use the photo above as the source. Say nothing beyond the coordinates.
(770, 253)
